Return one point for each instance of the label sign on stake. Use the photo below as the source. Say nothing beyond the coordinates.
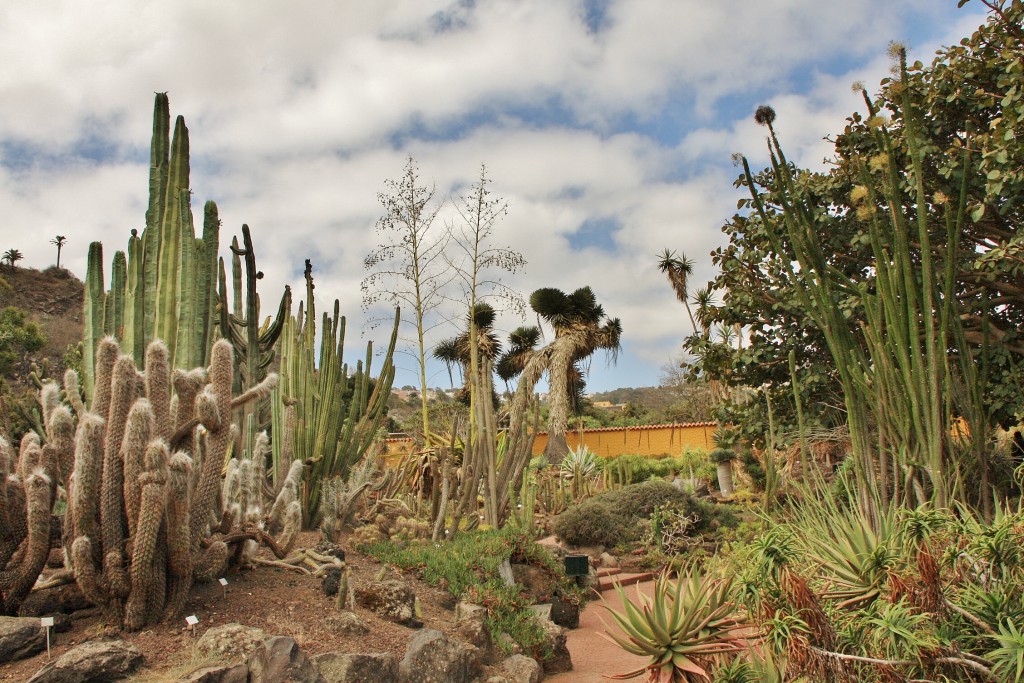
(192, 620)
(224, 585)
(46, 623)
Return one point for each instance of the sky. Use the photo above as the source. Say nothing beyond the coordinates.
(607, 126)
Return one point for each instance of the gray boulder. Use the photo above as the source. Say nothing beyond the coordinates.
(357, 668)
(431, 658)
(106, 660)
(520, 669)
(348, 623)
(279, 660)
(392, 599)
(559, 661)
(230, 642)
(20, 637)
(471, 625)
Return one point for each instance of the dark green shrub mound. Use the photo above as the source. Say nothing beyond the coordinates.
(593, 522)
(615, 517)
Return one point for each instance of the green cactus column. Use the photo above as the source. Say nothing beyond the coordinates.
(337, 415)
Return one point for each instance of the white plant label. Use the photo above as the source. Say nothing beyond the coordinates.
(46, 621)
(191, 620)
(222, 581)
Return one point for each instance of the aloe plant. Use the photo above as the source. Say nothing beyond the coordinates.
(686, 627)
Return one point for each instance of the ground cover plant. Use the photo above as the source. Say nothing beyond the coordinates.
(468, 568)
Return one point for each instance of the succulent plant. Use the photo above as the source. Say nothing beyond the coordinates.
(685, 627)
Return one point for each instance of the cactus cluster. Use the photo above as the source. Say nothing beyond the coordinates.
(341, 497)
(166, 286)
(28, 488)
(336, 412)
(384, 527)
(143, 521)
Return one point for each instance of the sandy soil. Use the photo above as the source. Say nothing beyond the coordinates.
(278, 601)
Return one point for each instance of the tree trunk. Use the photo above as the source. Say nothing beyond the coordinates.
(725, 478)
(558, 399)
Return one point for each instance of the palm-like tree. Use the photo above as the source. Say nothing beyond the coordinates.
(679, 269)
(12, 256)
(59, 241)
(455, 352)
(581, 328)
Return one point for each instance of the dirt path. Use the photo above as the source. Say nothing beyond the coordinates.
(592, 655)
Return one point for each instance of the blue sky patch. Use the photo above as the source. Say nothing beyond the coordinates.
(596, 233)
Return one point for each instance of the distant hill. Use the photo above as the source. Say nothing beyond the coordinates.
(52, 298)
(648, 398)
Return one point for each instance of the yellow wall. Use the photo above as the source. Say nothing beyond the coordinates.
(650, 440)
(612, 441)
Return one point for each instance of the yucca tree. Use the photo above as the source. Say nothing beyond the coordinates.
(455, 352)
(581, 328)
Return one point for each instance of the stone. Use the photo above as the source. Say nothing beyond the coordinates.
(565, 612)
(331, 580)
(65, 599)
(20, 637)
(279, 660)
(465, 609)
(391, 599)
(230, 642)
(521, 669)
(348, 623)
(104, 660)
(608, 560)
(219, 673)
(471, 626)
(337, 667)
(537, 583)
(431, 658)
(559, 660)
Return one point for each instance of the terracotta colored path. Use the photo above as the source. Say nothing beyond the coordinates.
(592, 655)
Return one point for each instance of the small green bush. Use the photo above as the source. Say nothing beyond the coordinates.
(592, 522)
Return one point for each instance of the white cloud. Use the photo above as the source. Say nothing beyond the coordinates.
(299, 115)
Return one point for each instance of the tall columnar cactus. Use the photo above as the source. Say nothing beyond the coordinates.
(140, 523)
(337, 413)
(166, 289)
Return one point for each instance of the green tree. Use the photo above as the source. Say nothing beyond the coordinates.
(910, 239)
(12, 256)
(18, 336)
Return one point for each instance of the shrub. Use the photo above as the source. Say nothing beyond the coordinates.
(615, 516)
(592, 522)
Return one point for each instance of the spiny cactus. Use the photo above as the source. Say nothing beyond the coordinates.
(336, 412)
(28, 490)
(166, 287)
(340, 497)
(140, 520)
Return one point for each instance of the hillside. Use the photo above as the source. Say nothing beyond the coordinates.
(53, 299)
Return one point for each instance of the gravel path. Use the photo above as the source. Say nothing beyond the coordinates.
(593, 656)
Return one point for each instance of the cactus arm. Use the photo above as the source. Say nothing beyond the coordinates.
(92, 314)
(113, 303)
